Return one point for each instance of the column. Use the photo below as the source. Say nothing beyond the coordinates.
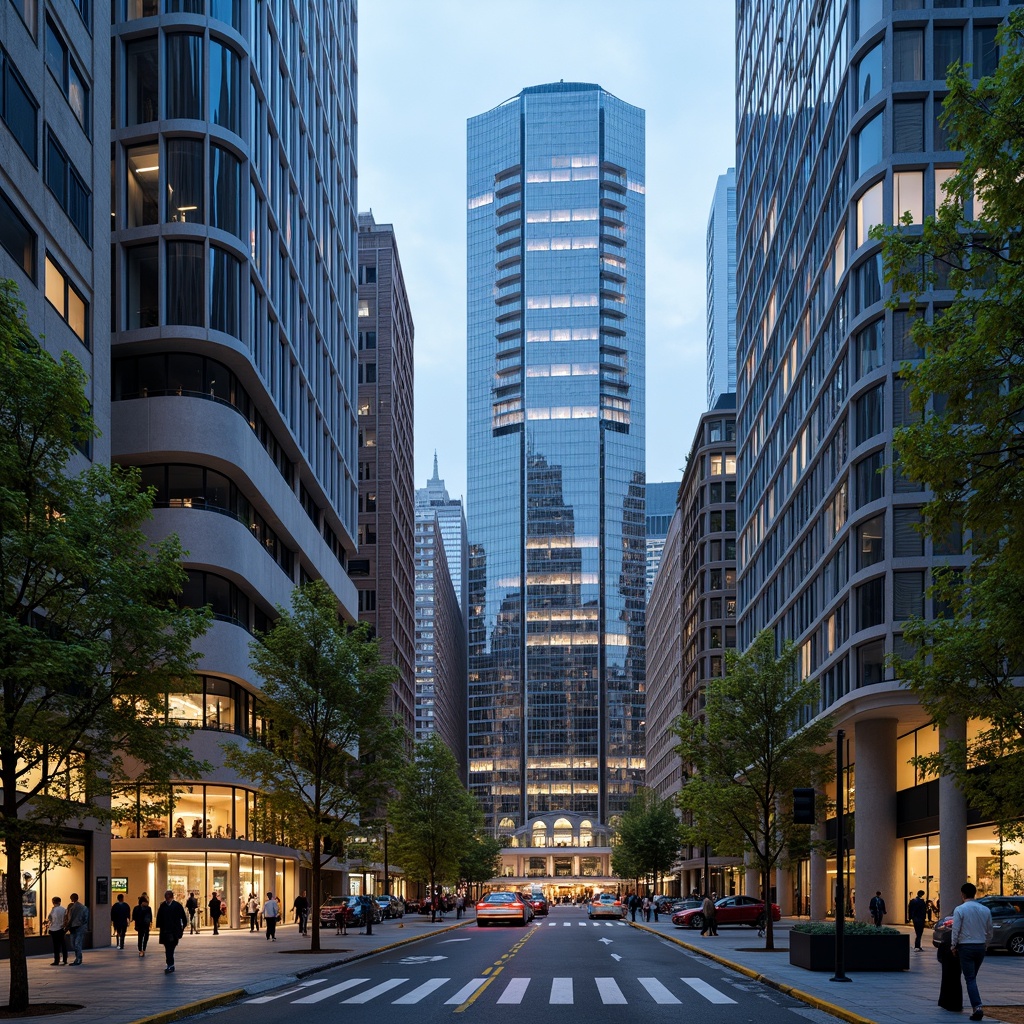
(751, 875)
(880, 861)
(952, 826)
(784, 890)
(233, 897)
(819, 875)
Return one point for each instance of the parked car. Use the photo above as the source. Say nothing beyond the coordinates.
(356, 908)
(1007, 924)
(728, 910)
(496, 907)
(391, 906)
(329, 911)
(538, 904)
(606, 904)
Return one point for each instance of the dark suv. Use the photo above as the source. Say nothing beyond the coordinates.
(1007, 924)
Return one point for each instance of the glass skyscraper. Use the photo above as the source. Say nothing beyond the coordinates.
(556, 454)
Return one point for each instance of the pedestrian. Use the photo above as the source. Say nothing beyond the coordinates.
(341, 920)
(917, 911)
(654, 906)
(951, 991)
(301, 908)
(192, 906)
(876, 908)
(76, 922)
(252, 908)
(142, 916)
(55, 925)
(271, 912)
(214, 907)
(968, 941)
(631, 903)
(120, 915)
(710, 921)
(646, 908)
(170, 925)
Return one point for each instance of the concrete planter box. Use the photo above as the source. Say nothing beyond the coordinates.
(861, 952)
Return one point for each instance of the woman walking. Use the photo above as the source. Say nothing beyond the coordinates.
(142, 917)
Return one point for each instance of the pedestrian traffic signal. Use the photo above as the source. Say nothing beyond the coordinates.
(803, 806)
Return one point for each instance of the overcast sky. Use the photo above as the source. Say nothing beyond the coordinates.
(426, 67)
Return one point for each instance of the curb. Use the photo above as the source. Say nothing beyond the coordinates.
(210, 1002)
(805, 997)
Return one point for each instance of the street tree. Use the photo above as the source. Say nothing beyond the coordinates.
(966, 444)
(434, 817)
(91, 636)
(481, 859)
(334, 748)
(647, 836)
(757, 742)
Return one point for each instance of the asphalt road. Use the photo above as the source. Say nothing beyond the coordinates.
(562, 968)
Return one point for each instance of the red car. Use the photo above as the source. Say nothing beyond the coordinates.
(539, 904)
(728, 910)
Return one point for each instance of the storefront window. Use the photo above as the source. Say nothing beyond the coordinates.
(47, 871)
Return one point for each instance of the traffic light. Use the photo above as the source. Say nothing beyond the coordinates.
(803, 806)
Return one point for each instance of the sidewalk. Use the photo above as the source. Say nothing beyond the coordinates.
(117, 987)
(883, 997)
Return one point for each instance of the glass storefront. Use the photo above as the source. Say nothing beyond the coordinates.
(48, 871)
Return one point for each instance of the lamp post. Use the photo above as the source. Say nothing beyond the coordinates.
(840, 974)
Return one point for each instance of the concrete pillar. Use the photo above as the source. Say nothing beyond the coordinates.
(952, 827)
(879, 863)
(784, 890)
(819, 876)
(233, 896)
(751, 875)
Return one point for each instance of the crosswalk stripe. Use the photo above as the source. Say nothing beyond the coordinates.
(302, 987)
(561, 992)
(582, 924)
(420, 992)
(326, 993)
(565, 924)
(514, 991)
(611, 994)
(658, 992)
(377, 990)
(465, 992)
(711, 994)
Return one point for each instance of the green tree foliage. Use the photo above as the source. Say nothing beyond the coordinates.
(335, 749)
(968, 449)
(91, 638)
(481, 860)
(436, 820)
(754, 746)
(646, 837)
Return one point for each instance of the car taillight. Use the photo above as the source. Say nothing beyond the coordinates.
(481, 906)
(618, 903)
(946, 922)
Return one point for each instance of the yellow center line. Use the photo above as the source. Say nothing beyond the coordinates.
(494, 972)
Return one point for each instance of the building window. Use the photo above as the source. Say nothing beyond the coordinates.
(871, 542)
(871, 348)
(907, 539)
(27, 9)
(18, 107)
(908, 196)
(67, 300)
(185, 300)
(986, 51)
(869, 211)
(908, 126)
(17, 238)
(225, 103)
(870, 414)
(142, 294)
(142, 166)
(871, 659)
(67, 185)
(871, 603)
(870, 479)
(225, 190)
(185, 199)
(367, 600)
(948, 49)
(71, 81)
(908, 55)
(142, 99)
(907, 595)
(184, 76)
(225, 292)
(869, 145)
(869, 75)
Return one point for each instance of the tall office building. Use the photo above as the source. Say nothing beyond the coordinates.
(556, 454)
(54, 219)
(721, 289)
(660, 507)
(383, 570)
(839, 130)
(451, 516)
(233, 245)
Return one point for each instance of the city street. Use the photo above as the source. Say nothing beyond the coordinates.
(560, 964)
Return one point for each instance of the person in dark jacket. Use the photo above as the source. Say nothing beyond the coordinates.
(142, 916)
(120, 915)
(170, 923)
(192, 906)
(917, 911)
(876, 908)
(301, 908)
(214, 908)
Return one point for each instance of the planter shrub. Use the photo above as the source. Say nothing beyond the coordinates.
(865, 948)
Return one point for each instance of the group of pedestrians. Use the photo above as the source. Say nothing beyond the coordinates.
(67, 924)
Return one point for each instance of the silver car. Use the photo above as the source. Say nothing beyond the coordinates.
(1007, 924)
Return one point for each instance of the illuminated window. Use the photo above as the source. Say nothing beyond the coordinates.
(908, 195)
(869, 211)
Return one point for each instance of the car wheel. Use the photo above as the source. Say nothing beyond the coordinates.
(759, 923)
(1016, 944)
(697, 921)
(481, 924)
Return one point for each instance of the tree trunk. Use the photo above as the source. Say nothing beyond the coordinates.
(766, 896)
(431, 895)
(16, 926)
(314, 909)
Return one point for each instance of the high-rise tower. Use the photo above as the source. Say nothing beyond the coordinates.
(556, 454)
(721, 289)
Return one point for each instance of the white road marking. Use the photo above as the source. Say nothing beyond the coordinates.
(421, 992)
(287, 992)
(465, 992)
(514, 991)
(658, 992)
(561, 992)
(377, 990)
(711, 994)
(611, 994)
(326, 993)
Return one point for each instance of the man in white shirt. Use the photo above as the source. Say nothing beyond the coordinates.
(971, 934)
(271, 912)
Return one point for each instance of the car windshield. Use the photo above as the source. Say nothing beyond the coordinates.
(499, 897)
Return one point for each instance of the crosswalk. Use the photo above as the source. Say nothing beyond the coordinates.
(582, 924)
(504, 991)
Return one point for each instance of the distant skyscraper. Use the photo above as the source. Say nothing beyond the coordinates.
(721, 285)
(661, 505)
(451, 516)
(556, 454)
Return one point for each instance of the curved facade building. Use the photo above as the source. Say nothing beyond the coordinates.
(556, 454)
(234, 354)
(838, 130)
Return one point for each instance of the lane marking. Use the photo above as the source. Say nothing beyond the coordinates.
(421, 992)
(377, 990)
(658, 992)
(514, 991)
(711, 994)
(466, 991)
(561, 992)
(326, 993)
(611, 994)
